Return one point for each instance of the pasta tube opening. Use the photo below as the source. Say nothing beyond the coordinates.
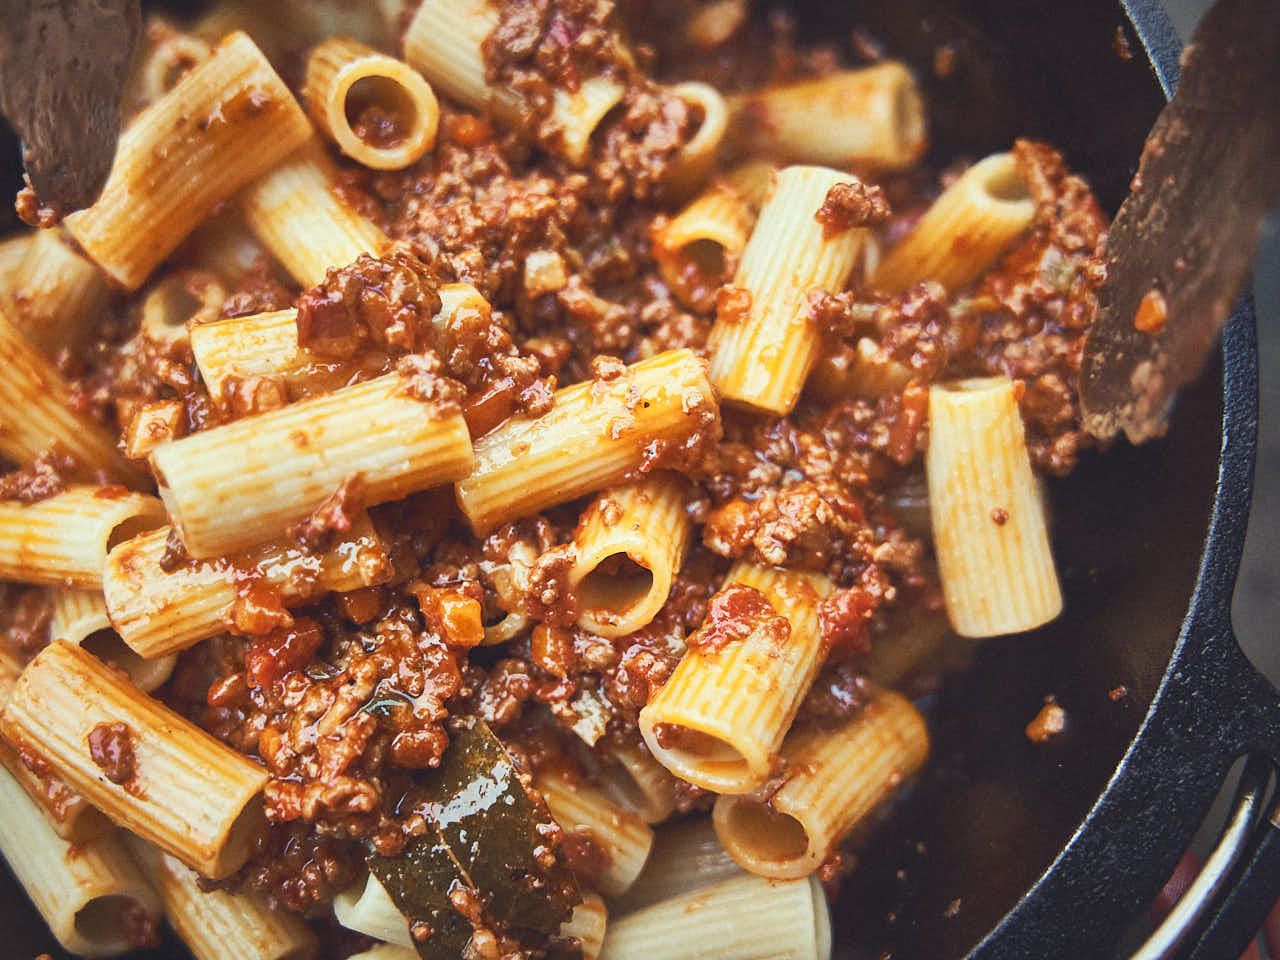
(630, 544)
(766, 833)
(103, 921)
(711, 114)
(377, 109)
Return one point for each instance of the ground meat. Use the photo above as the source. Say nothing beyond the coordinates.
(387, 304)
(338, 715)
(852, 204)
(379, 127)
(257, 291)
(335, 515)
(736, 613)
(1050, 722)
(584, 855)
(845, 616)
(46, 477)
(111, 747)
(25, 615)
(836, 697)
(810, 525)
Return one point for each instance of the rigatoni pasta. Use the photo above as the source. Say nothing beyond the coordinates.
(630, 543)
(596, 433)
(217, 925)
(582, 808)
(91, 895)
(763, 347)
(743, 918)
(159, 611)
(36, 413)
(989, 526)
(266, 345)
(394, 109)
(720, 718)
(959, 238)
(232, 487)
(686, 856)
(55, 293)
(444, 41)
(222, 125)
(80, 618)
(63, 540)
(179, 788)
(831, 781)
(871, 119)
(297, 213)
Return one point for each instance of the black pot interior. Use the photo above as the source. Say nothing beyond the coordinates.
(994, 809)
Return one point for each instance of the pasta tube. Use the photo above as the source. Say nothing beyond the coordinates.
(444, 41)
(588, 925)
(224, 123)
(833, 779)
(596, 434)
(56, 293)
(301, 219)
(629, 546)
(90, 894)
(965, 230)
(217, 925)
(580, 808)
(241, 483)
(990, 531)
(179, 788)
(721, 717)
(762, 353)
(698, 249)
(80, 617)
(638, 782)
(36, 412)
(870, 119)
(743, 918)
(686, 856)
(13, 250)
(345, 79)
(692, 164)
(160, 611)
(266, 345)
(70, 815)
(63, 540)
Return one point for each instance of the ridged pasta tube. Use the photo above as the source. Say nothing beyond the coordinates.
(990, 530)
(721, 717)
(870, 119)
(762, 353)
(597, 434)
(90, 894)
(345, 78)
(243, 483)
(965, 230)
(833, 779)
(187, 793)
(63, 541)
(224, 123)
(80, 617)
(743, 918)
(629, 546)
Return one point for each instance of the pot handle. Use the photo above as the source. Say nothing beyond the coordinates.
(1224, 906)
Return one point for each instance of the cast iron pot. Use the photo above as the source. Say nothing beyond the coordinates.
(1008, 849)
